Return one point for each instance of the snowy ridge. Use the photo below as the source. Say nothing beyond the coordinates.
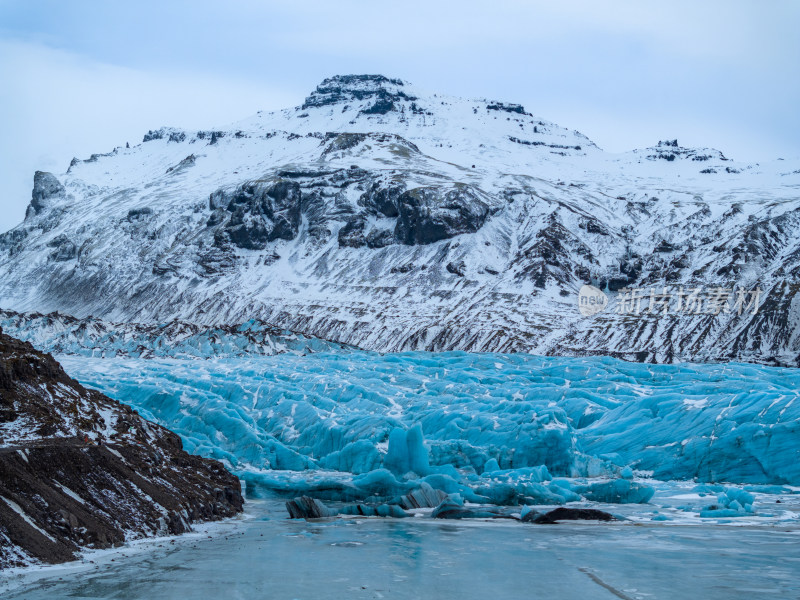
(382, 216)
(62, 334)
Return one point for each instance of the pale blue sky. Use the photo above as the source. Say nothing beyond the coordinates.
(84, 76)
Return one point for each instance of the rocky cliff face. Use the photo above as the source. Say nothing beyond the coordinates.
(79, 470)
(382, 216)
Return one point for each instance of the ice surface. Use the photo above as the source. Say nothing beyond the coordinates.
(267, 555)
(496, 429)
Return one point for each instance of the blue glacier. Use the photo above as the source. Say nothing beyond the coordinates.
(495, 429)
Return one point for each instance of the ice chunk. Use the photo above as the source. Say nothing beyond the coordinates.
(308, 508)
(618, 491)
(452, 507)
(381, 510)
(424, 497)
(407, 452)
(491, 465)
(356, 457)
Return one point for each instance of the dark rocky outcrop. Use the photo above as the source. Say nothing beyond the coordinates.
(669, 150)
(65, 249)
(380, 238)
(79, 470)
(383, 199)
(135, 214)
(564, 513)
(259, 212)
(342, 142)
(430, 214)
(45, 187)
(507, 107)
(384, 92)
(352, 234)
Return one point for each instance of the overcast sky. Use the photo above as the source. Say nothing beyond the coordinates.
(81, 77)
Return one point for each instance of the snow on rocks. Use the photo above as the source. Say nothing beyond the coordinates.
(390, 218)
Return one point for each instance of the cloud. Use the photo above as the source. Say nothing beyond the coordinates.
(62, 105)
(82, 77)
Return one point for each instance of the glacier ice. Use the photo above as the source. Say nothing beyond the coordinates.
(493, 428)
(63, 334)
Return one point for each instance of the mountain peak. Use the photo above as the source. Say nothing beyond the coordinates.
(380, 93)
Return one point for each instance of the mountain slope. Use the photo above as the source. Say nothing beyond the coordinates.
(79, 470)
(378, 215)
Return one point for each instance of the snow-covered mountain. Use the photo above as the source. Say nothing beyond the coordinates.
(379, 215)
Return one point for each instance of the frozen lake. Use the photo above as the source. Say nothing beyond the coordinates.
(265, 555)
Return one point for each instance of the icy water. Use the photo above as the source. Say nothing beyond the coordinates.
(265, 555)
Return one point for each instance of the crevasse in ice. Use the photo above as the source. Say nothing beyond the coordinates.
(502, 429)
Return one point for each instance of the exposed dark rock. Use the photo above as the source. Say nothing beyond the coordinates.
(65, 249)
(352, 234)
(87, 471)
(185, 163)
(381, 107)
(170, 133)
(344, 141)
(549, 255)
(45, 187)
(517, 140)
(530, 516)
(136, 214)
(457, 268)
(430, 214)
(342, 89)
(307, 174)
(382, 199)
(594, 226)
(380, 238)
(669, 150)
(507, 107)
(564, 513)
(338, 142)
(212, 136)
(153, 135)
(261, 212)
(664, 246)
